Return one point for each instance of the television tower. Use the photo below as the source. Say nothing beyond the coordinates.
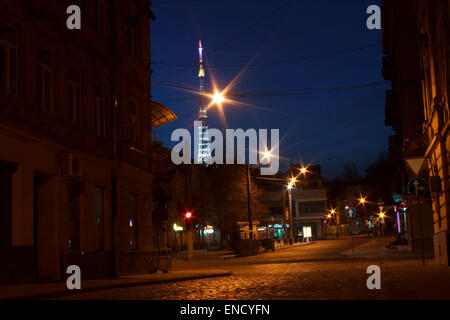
(204, 152)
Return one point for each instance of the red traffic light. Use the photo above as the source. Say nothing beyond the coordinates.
(188, 215)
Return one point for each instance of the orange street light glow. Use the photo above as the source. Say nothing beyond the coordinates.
(303, 170)
(218, 98)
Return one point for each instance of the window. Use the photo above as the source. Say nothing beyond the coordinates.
(100, 111)
(308, 207)
(132, 43)
(133, 121)
(133, 21)
(8, 59)
(74, 95)
(129, 128)
(100, 16)
(98, 217)
(44, 80)
(133, 221)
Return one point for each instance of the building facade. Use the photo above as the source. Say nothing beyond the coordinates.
(416, 42)
(75, 131)
(433, 33)
(405, 112)
(309, 204)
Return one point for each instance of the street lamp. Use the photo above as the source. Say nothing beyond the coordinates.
(291, 229)
(381, 216)
(290, 186)
(218, 98)
(363, 201)
(267, 155)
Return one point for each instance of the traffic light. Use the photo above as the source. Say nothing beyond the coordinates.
(188, 219)
(403, 206)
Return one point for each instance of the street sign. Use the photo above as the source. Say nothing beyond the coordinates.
(415, 164)
(397, 197)
(350, 212)
(417, 187)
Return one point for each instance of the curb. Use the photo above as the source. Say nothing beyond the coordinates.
(66, 293)
(268, 251)
(300, 245)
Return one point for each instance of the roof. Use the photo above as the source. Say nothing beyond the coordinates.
(161, 115)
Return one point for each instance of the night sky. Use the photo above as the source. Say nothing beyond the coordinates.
(298, 46)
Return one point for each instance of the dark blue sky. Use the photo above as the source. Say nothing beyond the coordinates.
(330, 128)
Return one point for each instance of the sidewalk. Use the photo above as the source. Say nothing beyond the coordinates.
(59, 289)
(226, 254)
(376, 248)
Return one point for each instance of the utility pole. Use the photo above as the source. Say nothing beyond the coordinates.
(190, 235)
(291, 226)
(190, 243)
(283, 193)
(250, 222)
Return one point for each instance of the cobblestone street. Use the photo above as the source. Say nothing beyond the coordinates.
(316, 271)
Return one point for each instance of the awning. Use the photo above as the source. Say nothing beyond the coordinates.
(161, 115)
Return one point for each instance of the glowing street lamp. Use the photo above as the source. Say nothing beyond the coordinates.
(362, 200)
(303, 170)
(267, 155)
(381, 216)
(218, 98)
